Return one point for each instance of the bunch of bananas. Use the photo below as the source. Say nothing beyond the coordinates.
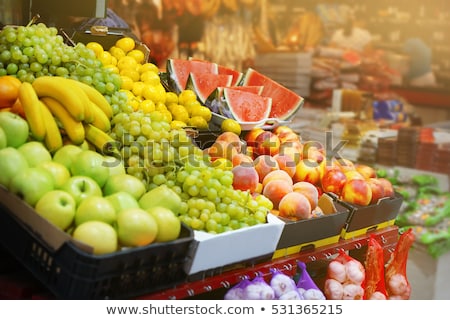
(56, 106)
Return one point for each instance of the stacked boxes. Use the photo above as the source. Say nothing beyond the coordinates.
(291, 69)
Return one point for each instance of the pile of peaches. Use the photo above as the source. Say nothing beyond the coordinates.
(293, 173)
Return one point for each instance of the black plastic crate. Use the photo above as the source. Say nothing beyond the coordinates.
(71, 273)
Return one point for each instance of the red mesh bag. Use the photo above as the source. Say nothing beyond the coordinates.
(396, 281)
(375, 288)
(345, 278)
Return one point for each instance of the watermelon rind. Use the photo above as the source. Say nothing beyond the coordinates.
(178, 71)
(285, 102)
(203, 84)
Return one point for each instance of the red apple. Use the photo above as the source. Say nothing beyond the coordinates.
(295, 206)
(333, 180)
(267, 143)
(245, 178)
(357, 191)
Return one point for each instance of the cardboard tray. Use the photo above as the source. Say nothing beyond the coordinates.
(219, 250)
(313, 233)
(363, 219)
(68, 269)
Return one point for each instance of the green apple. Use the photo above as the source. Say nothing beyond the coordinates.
(3, 139)
(122, 200)
(31, 184)
(81, 187)
(124, 182)
(16, 128)
(90, 163)
(169, 226)
(35, 152)
(95, 208)
(161, 196)
(58, 207)
(99, 235)
(66, 154)
(59, 172)
(136, 227)
(11, 163)
(114, 165)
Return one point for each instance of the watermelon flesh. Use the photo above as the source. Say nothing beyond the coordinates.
(240, 105)
(203, 84)
(237, 76)
(285, 102)
(179, 69)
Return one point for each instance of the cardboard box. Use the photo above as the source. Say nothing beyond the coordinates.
(314, 232)
(363, 219)
(212, 251)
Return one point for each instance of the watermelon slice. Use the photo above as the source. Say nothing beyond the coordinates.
(179, 69)
(285, 102)
(240, 105)
(237, 76)
(203, 84)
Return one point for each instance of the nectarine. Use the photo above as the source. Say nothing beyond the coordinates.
(267, 143)
(250, 136)
(265, 164)
(286, 163)
(245, 178)
(357, 191)
(333, 180)
(309, 191)
(231, 138)
(307, 170)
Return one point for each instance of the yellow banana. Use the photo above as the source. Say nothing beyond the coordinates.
(73, 128)
(101, 120)
(30, 103)
(100, 139)
(96, 97)
(53, 139)
(65, 91)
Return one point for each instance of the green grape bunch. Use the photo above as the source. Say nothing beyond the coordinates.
(36, 50)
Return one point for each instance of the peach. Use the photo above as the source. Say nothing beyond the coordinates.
(282, 129)
(275, 190)
(377, 189)
(333, 180)
(388, 187)
(309, 191)
(245, 178)
(295, 206)
(357, 191)
(288, 137)
(286, 163)
(276, 175)
(307, 170)
(366, 171)
(267, 143)
(231, 138)
(313, 150)
(265, 164)
(250, 136)
(241, 158)
(292, 149)
(221, 149)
